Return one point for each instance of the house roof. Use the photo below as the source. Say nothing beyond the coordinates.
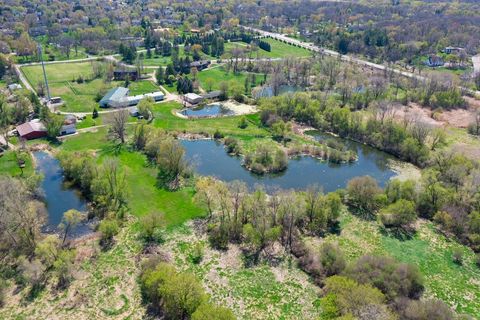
(28, 127)
(212, 94)
(114, 94)
(192, 96)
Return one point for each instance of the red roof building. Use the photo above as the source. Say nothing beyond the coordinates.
(32, 130)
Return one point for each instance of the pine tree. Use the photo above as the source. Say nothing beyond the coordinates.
(160, 75)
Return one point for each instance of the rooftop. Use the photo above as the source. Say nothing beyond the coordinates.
(114, 94)
(31, 126)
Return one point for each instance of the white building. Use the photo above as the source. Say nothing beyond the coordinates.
(192, 98)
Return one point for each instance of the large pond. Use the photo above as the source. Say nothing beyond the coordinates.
(210, 159)
(58, 196)
(211, 110)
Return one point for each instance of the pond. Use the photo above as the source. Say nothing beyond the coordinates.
(58, 196)
(210, 159)
(210, 110)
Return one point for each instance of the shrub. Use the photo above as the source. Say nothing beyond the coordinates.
(398, 214)
(362, 194)
(218, 135)
(108, 229)
(243, 123)
(95, 113)
(197, 254)
(457, 256)
(477, 259)
(392, 278)
(218, 238)
(331, 259)
(233, 146)
(208, 311)
(3, 287)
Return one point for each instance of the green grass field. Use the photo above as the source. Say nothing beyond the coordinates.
(159, 60)
(9, 165)
(142, 87)
(165, 119)
(217, 75)
(278, 50)
(143, 194)
(78, 97)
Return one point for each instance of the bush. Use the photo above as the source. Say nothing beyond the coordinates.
(243, 123)
(457, 256)
(218, 238)
(197, 255)
(95, 113)
(398, 214)
(363, 193)
(331, 259)
(233, 146)
(218, 135)
(208, 311)
(477, 259)
(108, 229)
(394, 279)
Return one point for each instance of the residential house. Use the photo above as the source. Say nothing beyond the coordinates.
(192, 98)
(200, 65)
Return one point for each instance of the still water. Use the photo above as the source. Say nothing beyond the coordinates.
(210, 159)
(58, 196)
(211, 110)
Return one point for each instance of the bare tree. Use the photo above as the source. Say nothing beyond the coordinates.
(118, 125)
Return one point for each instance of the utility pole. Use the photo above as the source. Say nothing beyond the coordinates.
(39, 46)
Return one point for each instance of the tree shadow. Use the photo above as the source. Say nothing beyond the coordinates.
(401, 234)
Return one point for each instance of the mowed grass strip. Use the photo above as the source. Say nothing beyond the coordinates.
(278, 50)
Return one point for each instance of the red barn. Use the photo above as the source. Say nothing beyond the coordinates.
(32, 130)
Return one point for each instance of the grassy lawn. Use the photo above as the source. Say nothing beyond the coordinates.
(58, 72)
(142, 87)
(165, 119)
(278, 50)
(78, 97)
(457, 285)
(218, 75)
(9, 165)
(143, 195)
(52, 53)
(90, 122)
(159, 60)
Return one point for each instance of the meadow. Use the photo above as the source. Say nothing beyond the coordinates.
(278, 50)
(217, 75)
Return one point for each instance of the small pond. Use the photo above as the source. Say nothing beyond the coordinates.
(58, 196)
(210, 110)
(210, 159)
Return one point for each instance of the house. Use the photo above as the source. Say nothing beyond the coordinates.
(115, 98)
(192, 98)
(434, 61)
(118, 98)
(123, 74)
(453, 50)
(212, 95)
(32, 130)
(200, 65)
(69, 125)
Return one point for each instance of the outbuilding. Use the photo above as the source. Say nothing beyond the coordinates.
(192, 98)
(32, 130)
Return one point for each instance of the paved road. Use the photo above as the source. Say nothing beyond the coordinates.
(314, 48)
